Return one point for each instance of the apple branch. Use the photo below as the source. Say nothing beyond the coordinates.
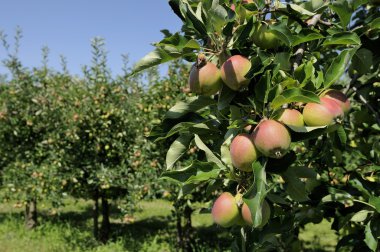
(365, 102)
(301, 49)
(352, 87)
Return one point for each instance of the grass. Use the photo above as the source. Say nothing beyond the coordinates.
(318, 237)
(152, 229)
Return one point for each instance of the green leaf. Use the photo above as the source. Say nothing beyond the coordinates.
(177, 149)
(193, 104)
(304, 172)
(262, 88)
(337, 67)
(168, 49)
(205, 128)
(318, 80)
(196, 173)
(225, 149)
(342, 135)
(294, 186)
(344, 12)
(282, 32)
(255, 196)
(225, 97)
(301, 10)
(209, 154)
(314, 5)
(375, 24)
(283, 59)
(375, 202)
(304, 73)
(277, 199)
(197, 22)
(305, 132)
(362, 61)
(370, 240)
(156, 57)
(245, 32)
(174, 4)
(294, 95)
(344, 38)
(361, 216)
(218, 16)
(337, 195)
(304, 36)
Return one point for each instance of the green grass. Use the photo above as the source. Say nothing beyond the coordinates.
(70, 229)
(153, 229)
(319, 237)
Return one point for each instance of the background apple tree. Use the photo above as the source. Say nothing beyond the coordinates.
(275, 56)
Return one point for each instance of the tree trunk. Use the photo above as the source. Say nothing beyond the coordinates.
(106, 226)
(31, 214)
(96, 213)
(178, 215)
(188, 229)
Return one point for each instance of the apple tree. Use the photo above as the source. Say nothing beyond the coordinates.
(101, 127)
(285, 116)
(30, 116)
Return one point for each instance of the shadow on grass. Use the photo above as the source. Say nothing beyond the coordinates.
(213, 237)
(134, 236)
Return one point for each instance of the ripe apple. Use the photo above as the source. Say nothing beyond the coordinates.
(291, 117)
(271, 138)
(225, 211)
(323, 114)
(340, 98)
(233, 72)
(205, 79)
(243, 152)
(247, 217)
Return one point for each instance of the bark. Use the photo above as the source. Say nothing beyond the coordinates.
(96, 213)
(105, 226)
(31, 214)
(188, 230)
(179, 230)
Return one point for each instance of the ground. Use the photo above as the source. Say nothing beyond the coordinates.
(151, 229)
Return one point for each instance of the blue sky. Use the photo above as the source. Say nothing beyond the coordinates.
(67, 27)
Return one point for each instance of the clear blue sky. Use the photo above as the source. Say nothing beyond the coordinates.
(67, 27)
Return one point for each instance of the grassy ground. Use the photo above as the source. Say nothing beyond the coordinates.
(153, 229)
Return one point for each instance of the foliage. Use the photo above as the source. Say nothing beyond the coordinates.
(329, 172)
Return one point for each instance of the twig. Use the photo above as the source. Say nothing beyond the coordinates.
(301, 50)
(314, 20)
(325, 22)
(361, 98)
(299, 54)
(353, 80)
(369, 106)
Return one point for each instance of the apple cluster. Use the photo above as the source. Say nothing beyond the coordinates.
(207, 79)
(334, 105)
(229, 210)
(272, 139)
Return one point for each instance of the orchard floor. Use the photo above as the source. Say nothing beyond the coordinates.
(152, 229)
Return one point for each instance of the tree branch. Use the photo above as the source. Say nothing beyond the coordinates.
(369, 106)
(351, 86)
(299, 54)
(301, 49)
